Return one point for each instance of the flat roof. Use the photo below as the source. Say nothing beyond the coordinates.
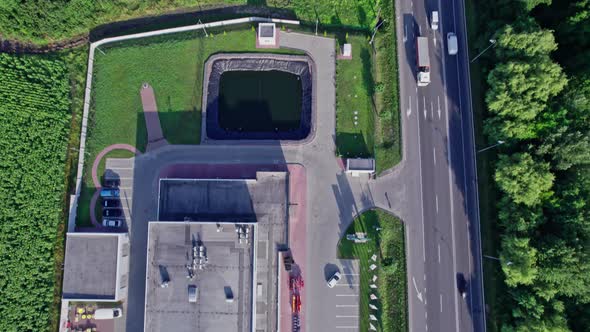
(267, 30)
(223, 200)
(360, 164)
(90, 270)
(228, 269)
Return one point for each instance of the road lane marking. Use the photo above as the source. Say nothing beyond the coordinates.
(438, 101)
(416, 287)
(409, 111)
(349, 295)
(346, 327)
(439, 253)
(424, 99)
(434, 154)
(342, 285)
(441, 307)
(432, 110)
(421, 191)
(347, 305)
(347, 316)
(350, 274)
(405, 33)
(436, 200)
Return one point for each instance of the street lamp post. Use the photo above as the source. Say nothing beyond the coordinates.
(497, 259)
(492, 43)
(491, 146)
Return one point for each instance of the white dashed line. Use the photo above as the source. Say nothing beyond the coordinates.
(347, 306)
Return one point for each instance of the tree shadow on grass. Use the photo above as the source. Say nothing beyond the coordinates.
(352, 145)
(181, 126)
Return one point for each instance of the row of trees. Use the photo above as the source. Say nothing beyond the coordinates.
(35, 113)
(542, 111)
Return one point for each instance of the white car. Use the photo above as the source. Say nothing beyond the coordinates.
(109, 222)
(192, 294)
(434, 20)
(108, 313)
(334, 279)
(452, 45)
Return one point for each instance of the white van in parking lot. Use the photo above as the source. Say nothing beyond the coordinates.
(108, 313)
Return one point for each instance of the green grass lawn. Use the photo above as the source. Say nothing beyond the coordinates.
(389, 246)
(354, 88)
(173, 66)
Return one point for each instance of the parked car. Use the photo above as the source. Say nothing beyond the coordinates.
(109, 192)
(452, 45)
(334, 279)
(192, 293)
(112, 212)
(111, 203)
(112, 183)
(110, 222)
(108, 313)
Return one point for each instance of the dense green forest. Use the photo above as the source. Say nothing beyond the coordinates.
(538, 103)
(35, 113)
(44, 21)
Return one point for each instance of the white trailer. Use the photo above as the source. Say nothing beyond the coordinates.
(423, 59)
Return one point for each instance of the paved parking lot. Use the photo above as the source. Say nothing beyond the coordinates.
(122, 170)
(345, 297)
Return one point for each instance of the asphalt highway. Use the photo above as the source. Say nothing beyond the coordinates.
(441, 116)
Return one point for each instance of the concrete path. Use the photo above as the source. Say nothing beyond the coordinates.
(152, 120)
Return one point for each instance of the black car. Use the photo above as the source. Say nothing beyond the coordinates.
(112, 212)
(111, 203)
(112, 183)
(462, 285)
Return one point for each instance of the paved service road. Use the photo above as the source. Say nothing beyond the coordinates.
(441, 116)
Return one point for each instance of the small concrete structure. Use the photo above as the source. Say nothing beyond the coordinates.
(359, 166)
(96, 266)
(345, 52)
(267, 36)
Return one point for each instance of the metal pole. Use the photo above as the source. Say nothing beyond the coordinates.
(316, 26)
(492, 43)
(206, 34)
(491, 146)
(496, 258)
(375, 31)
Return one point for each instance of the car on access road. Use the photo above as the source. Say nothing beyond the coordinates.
(334, 279)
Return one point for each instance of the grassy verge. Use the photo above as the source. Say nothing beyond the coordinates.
(354, 90)
(388, 150)
(388, 244)
(76, 62)
(494, 286)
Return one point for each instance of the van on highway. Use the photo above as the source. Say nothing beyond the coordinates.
(434, 20)
(452, 45)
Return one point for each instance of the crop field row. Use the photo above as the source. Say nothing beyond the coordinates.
(35, 123)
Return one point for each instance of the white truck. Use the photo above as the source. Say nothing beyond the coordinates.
(423, 61)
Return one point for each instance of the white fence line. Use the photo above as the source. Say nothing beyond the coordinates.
(87, 95)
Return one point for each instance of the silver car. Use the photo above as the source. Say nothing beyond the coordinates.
(452, 45)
